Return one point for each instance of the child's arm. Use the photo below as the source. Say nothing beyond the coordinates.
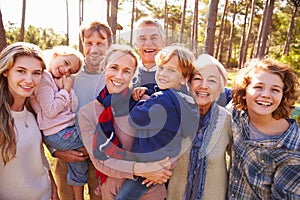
(139, 92)
(151, 113)
(51, 102)
(67, 85)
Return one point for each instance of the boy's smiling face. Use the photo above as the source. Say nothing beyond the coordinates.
(264, 93)
(169, 75)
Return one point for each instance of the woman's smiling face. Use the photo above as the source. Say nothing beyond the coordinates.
(206, 87)
(119, 71)
(24, 76)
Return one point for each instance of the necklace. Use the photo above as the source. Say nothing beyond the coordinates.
(25, 123)
(25, 119)
(21, 116)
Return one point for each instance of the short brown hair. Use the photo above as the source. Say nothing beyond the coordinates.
(86, 30)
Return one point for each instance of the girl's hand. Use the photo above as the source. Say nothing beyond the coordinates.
(67, 83)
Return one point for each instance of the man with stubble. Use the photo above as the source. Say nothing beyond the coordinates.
(96, 38)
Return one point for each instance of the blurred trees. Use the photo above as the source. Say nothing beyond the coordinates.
(231, 30)
(2, 34)
(22, 30)
(113, 17)
(44, 38)
(295, 6)
(211, 27)
(234, 31)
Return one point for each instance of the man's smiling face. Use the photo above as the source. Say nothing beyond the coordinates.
(149, 42)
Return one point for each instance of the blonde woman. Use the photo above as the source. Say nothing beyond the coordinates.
(120, 65)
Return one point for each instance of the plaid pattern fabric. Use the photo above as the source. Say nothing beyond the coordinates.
(266, 169)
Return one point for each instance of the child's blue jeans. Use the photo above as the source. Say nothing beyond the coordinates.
(132, 189)
(69, 139)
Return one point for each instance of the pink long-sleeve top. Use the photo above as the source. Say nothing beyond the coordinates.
(55, 108)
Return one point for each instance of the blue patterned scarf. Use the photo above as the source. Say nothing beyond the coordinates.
(198, 162)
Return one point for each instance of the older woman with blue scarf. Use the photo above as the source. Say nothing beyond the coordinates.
(201, 172)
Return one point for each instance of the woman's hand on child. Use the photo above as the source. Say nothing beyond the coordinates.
(154, 172)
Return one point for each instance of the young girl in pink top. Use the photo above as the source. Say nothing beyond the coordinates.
(55, 103)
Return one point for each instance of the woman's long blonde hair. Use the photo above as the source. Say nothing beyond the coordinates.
(8, 58)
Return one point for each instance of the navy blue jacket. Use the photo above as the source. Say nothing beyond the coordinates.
(162, 121)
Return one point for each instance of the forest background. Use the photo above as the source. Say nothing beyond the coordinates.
(233, 31)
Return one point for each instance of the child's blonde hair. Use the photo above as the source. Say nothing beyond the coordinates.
(185, 56)
(63, 51)
(288, 77)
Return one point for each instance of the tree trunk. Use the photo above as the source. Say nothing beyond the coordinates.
(260, 32)
(221, 28)
(242, 43)
(222, 45)
(114, 18)
(244, 57)
(3, 42)
(67, 10)
(195, 40)
(266, 28)
(166, 21)
(231, 35)
(289, 35)
(132, 21)
(182, 21)
(173, 32)
(193, 27)
(22, 30)
(253, 47)
(108, 13)
(81, 4)
(211, 27)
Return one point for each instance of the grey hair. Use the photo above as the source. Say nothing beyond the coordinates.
(150, 21)
(205, 60)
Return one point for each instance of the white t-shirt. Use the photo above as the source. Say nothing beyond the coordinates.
(26, 175)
